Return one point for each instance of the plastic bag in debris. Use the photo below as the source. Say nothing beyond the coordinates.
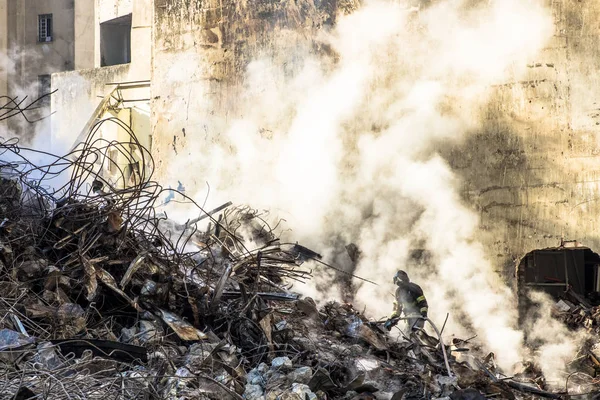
(46, 355)
(10, 339)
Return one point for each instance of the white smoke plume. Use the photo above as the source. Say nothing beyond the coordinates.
(345, 150)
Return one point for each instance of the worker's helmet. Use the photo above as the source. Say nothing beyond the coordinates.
(401, 276)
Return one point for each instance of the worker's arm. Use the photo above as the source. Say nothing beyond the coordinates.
(422, 305)
(395, 317)
(397, 310)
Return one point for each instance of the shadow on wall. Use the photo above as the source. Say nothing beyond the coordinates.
(529, 185)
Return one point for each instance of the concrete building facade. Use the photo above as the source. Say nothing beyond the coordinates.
(114, 51)
(36, 40)
(40, 38)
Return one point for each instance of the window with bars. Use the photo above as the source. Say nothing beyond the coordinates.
(45, 28)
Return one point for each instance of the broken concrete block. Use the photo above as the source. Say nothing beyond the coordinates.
(254, 377)
(281, 363)
(274, 394)
(262, 368)
(275, 379)
(253, 392)
(301, 375)
(303, 391)
(150, 332)
(298, 392)
(127, 334)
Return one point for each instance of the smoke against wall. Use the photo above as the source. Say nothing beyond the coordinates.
(346, 149)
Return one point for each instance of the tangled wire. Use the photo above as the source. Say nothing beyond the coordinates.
(82, 230)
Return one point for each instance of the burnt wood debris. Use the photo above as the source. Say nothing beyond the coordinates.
(102, 297)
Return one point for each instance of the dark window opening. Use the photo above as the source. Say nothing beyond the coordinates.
(115, 41)
(45, 28)
(557, 271)
(44, 88)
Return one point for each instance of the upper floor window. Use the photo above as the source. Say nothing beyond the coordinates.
(45, 28)
(115, 41)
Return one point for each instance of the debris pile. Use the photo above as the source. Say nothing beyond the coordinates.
(101, 297)
(576, 313)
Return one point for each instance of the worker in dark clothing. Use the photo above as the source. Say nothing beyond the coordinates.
(410, 300)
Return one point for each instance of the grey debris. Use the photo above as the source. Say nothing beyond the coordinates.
(150, 332)
(254, 377)
(281, 363)
(301, 375)
(128, 334)
(303, 391)
(46, 355)
(262, 368)
(253, 392)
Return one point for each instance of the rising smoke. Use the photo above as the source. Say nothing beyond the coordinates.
(346, 151)
(31, 127)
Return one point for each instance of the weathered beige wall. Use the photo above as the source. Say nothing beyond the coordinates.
(201, 50)
(111, 9)
(141, 39)
(533, 171)
(85, 34)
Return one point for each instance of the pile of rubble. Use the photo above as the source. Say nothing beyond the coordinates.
(101, 298)
(577, 313)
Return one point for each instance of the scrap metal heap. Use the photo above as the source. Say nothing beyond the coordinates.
(102, 298)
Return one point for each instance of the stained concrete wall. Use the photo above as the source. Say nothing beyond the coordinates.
(533, 171)
(79, 95)
(141, 38)
(201, 50)
(85, 34)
